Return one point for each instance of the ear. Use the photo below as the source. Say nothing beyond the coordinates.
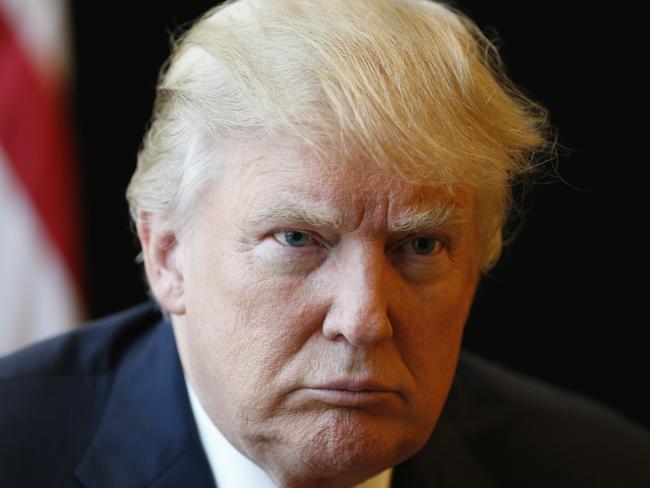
(160, 250)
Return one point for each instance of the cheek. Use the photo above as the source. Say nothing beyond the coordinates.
(247, 323)
(429, 340)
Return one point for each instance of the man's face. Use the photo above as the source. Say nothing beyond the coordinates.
(324, 307)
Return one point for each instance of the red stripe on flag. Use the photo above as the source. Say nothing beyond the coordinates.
(36, 140)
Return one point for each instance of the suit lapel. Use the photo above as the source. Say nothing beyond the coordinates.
(444, 462)
(147, 435)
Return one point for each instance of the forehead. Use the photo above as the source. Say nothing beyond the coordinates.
(275, 173)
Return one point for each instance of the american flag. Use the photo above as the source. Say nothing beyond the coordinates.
(40, 265)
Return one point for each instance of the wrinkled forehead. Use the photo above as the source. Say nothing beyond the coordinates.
(280, 154)
(283, 175)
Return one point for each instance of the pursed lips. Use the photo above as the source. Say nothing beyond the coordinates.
(355, 385)
(351, 393)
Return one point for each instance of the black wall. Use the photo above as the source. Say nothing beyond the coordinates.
(565, 304)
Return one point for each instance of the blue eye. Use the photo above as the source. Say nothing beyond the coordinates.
(294, 238)
(425, 245)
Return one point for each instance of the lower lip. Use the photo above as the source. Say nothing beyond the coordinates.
(349, 398)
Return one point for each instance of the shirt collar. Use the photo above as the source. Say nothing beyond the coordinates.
(231, 469)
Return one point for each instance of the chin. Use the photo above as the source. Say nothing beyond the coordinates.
(347, 442)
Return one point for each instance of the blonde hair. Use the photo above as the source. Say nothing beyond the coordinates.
(409, 84)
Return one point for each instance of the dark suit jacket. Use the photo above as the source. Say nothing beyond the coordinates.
(106, 406)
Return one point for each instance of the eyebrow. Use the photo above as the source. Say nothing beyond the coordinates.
(430, 219)
(411, 220)
(287, 215)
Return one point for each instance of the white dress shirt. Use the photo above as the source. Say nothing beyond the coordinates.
(231, 469)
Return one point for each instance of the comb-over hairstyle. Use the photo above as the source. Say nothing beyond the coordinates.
(411, 85)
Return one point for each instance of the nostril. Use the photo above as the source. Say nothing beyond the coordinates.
(359, 329)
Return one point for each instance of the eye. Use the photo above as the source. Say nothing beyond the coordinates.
(294, 238)
(426, 245)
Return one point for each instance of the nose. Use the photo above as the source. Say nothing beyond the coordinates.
(359, 308)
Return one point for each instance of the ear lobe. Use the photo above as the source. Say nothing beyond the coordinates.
(160, 250)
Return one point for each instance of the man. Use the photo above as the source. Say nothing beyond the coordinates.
(321, 187)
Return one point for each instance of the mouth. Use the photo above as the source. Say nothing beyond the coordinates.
(351, 393)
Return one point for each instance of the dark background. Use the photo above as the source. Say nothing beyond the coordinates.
(565, 303)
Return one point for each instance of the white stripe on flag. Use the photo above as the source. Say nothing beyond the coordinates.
(42, 27)
(36, 296)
